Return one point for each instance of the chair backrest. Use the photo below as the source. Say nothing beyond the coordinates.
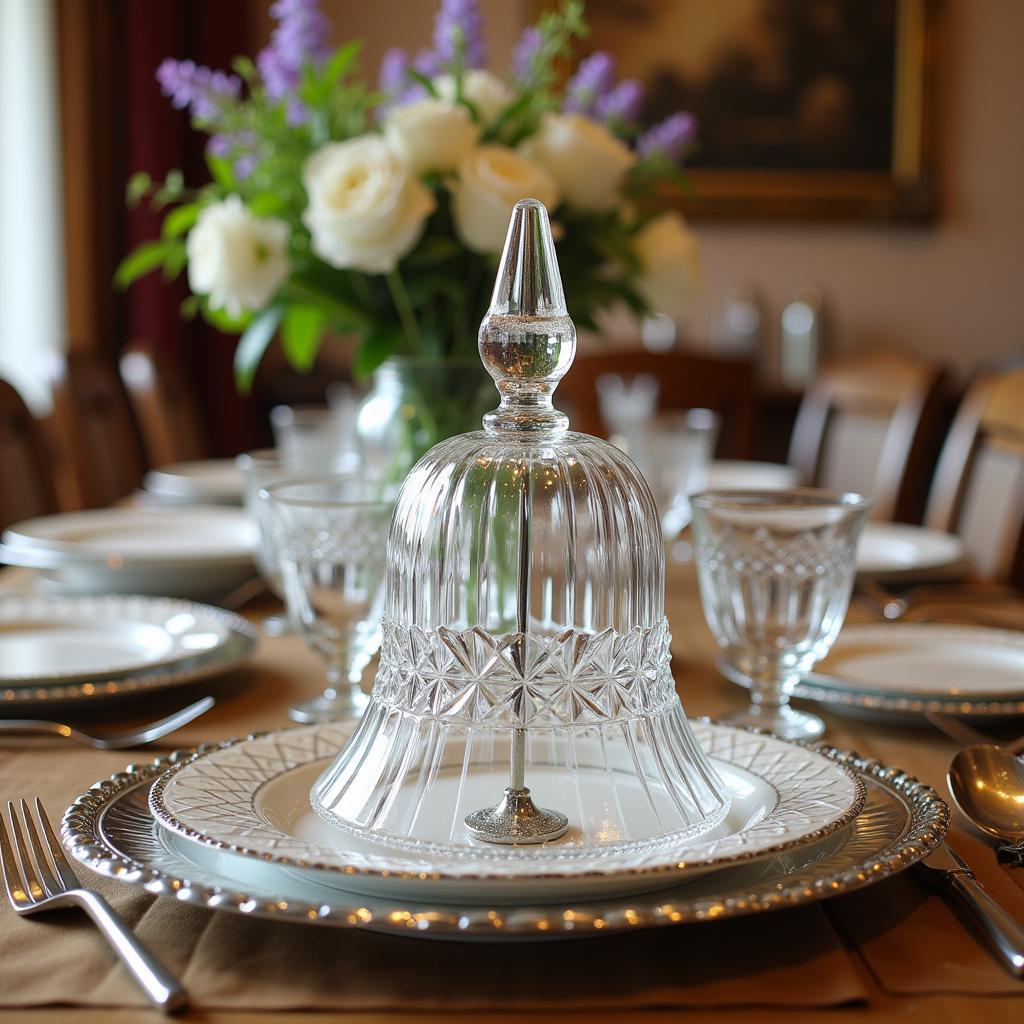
(164, 403)
(94, 425)
(870, 424)
(687, 381)
(978, 492)
(26, 486)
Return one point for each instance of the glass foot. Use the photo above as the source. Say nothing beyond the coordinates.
(784, 721)
(330, 706)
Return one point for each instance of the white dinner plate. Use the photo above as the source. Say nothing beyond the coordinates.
(926, 660)
(899, 549)
(204, 481)
(738, 475)
(252, 799)
(49, 639)
(187, 551)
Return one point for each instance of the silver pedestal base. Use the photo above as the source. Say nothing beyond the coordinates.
(516, 821)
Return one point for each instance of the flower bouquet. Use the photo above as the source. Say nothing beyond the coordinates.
(335, 207)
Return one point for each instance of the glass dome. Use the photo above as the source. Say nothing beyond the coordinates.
(525, 641)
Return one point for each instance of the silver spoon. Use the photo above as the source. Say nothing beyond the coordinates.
(987, 783)
(111, 741)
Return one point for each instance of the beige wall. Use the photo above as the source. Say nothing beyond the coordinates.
(954, 290)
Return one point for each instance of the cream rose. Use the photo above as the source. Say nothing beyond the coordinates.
(431, 135)
(587, 161)
(488, 93)
(367, 209)
(491, 180)
(670, 257)
(236, 259)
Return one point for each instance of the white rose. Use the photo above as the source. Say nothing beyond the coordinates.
(491, 180)
(366, 207)
(587, 161)
(430, 135)
(488, 93)
(670, 257)
(236, 259)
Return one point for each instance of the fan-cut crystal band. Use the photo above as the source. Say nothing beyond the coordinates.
(517, 680)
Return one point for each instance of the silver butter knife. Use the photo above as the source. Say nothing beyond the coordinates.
(946, 868)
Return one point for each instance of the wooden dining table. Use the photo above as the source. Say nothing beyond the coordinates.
(895, 951)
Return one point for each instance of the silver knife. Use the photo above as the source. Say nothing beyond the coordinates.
(946, 868)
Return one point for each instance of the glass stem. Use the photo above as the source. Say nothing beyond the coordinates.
(768, 690)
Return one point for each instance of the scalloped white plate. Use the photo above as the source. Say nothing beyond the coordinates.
(252, 799)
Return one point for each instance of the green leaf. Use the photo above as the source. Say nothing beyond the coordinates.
(224, 321)
(136, 189)
(140, 262)
(375, 348)
(253, 343)
(266, 204)
(301, 333)
(222, 171)
(335, 68)
(175, 262)
(244, 68)
(423, 80)
(180, 220)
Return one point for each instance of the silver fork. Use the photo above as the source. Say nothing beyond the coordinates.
(111, 741)
(36, 883)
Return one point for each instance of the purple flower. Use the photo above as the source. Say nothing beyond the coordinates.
(242, 146)
(245, 165)
(669, 138)
(623, 103)
(594, 77)
(459, 30)
(299, 38)
(200, 89)
(525, 53)
(394, 67)
(427, 63)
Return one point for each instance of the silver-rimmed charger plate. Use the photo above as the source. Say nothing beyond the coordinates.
(112, 831)
(239, 641)
(47, 639)
(251, 798)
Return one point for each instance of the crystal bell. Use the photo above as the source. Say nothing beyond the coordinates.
(524, 705)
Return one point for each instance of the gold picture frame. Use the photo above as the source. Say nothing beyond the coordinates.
(903, 189)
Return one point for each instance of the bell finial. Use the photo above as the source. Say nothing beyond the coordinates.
(527, 340)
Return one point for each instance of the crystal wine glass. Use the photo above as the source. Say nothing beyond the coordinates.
(776, 569)
(331, 535)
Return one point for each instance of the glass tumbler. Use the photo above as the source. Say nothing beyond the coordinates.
(330, 535)
(776, 569)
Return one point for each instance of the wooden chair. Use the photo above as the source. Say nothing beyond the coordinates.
(93, 425)
(687, 381)
(873, 424)
(978, 491)
(26, 486)
(164, 403)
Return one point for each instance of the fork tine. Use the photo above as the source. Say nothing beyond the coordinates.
(14, 880)
(33, 890)
(38, 854)
(60, 861)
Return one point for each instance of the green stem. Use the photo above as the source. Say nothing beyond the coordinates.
(400, 297)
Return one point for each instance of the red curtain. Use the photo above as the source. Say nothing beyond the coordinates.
(156, 138)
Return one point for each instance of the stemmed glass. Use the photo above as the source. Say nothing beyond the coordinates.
(673, 451)
(330, 535)
(776, 570)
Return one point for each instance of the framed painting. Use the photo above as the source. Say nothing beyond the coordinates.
(807, 109)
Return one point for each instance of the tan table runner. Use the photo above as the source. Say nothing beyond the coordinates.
(893, 940)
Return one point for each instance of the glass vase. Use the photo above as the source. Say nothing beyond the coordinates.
(414, 403)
